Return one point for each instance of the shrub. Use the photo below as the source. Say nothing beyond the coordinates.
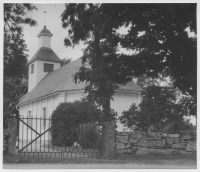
(66, 119)
(159, 111)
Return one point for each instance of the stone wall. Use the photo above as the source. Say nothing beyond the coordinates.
(141, 143)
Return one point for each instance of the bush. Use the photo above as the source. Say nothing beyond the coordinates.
(159, 111)
(66, 119)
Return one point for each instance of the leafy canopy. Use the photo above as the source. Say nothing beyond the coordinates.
(84, 25)
(144, 81)
(157, 34)
(65, 61)
(14, 57)
(14, 89)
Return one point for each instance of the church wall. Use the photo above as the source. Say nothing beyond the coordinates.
(32, 76)
(122, 101)
(36, 110)
(49, 105)
(74, 95)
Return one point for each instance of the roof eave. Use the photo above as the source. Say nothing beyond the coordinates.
(43, 60)
(117, 90)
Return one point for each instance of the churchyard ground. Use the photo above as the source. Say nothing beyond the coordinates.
(142, 161)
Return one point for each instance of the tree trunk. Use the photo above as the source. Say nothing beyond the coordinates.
(106, 114)
(105, 150)
(12, 134)
(109, 143)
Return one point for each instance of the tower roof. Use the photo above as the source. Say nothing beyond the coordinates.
(45, 54)
(45, 31)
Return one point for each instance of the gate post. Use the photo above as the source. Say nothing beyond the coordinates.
(12, 134)
(109, 142)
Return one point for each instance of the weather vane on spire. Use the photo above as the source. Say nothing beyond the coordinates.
(45, 18)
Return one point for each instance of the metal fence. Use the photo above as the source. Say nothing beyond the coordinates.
(38, 138)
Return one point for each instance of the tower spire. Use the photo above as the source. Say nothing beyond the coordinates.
(45, 18)
(45, 38)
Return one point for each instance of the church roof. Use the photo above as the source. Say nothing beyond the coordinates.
(45, 31)
(61, 80)
(46, 54)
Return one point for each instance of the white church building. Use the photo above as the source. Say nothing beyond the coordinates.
(49, 84)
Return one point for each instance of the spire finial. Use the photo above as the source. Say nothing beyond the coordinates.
(45, 18)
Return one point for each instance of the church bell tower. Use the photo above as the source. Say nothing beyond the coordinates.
(44, 61)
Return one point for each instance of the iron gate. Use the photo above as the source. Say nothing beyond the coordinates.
(35, 139)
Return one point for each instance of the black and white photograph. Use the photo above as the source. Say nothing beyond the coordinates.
(99, 85)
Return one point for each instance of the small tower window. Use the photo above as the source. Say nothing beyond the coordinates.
(32, 68)
(48, 67)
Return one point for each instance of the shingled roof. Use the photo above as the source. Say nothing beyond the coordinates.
(46, 54)
(62, 80)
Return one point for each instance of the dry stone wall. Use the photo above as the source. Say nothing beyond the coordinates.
(141, 143)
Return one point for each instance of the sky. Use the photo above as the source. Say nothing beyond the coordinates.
(54, 24)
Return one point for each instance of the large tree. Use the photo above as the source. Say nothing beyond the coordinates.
(15, 58)
(14, 89)
(157, 34)
(164, 48)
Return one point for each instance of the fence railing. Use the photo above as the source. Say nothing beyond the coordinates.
(37, 137)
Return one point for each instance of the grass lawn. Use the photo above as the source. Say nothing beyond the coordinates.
(144, 159)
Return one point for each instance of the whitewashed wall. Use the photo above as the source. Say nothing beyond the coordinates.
(45, 41)
(32, 81)
(122, 101)
(74, 95)
(36, 108)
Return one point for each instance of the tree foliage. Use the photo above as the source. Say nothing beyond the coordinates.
(159, 111)
(14, 57)
(14, 89)
(144, 81)
(157, 33)
(65, 61)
